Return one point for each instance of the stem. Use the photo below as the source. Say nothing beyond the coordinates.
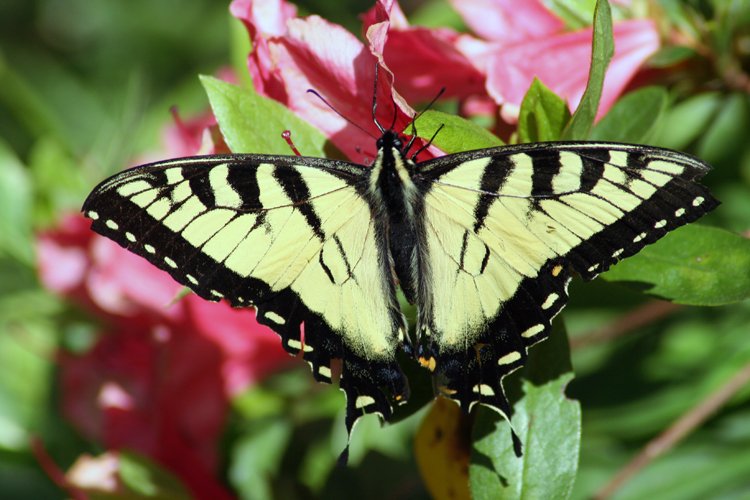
(642, 315)
(677, 431)
(53, 471)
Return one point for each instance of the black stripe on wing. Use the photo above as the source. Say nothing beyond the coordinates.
(474, 375)
(493, 178)
(678, 202)
(368, 384)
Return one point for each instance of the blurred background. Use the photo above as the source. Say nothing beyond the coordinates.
(86, 89)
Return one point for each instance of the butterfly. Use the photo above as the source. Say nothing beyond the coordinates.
(483, 242)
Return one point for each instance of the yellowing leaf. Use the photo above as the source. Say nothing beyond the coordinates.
(442, 449)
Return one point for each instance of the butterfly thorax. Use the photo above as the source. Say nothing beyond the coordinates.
(390, 179)
(396, 198)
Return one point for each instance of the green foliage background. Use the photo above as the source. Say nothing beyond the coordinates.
(85, 88)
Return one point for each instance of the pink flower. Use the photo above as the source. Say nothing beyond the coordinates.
(188, 137)
(293, 55)
(508, 22)
(159, 378)
(557, 61)
(157, 392)
(520, 41)
(425, 59)
(185, 138)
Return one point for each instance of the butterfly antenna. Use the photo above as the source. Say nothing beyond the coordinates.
(316, 94)
(414, 124)
(429, 143)
(375, 100)
(413, 133)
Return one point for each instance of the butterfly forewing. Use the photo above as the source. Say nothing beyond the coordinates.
(505, 227)
(291, 236)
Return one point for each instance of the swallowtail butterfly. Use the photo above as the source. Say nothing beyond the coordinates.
(483, 242)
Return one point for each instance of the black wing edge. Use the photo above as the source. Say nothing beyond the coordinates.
(438, 166)
(475, 375)
(680, 201)
(369, 386)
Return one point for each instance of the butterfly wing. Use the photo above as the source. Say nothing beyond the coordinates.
(505, 227)
(291, 236)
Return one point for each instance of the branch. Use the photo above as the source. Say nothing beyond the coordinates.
(643, 315)
(677, 431)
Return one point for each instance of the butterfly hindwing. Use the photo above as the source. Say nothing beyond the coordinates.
(504, 228)
(291, 236)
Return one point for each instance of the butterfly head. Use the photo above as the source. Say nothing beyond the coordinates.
(389, 141)
(391, 173)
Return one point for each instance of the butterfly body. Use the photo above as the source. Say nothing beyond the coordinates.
(484, 243)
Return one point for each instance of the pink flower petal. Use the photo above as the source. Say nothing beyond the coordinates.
(159, 381)
(251, 351)
(425, 60)
(382, 11)
(635, 42)
(99, 474)
(121, 282)
(561, 62)
(61, 255)
(508, 21)
(260, 25)
(112, 395)
(164, 399)
(323, 56)
(61, 268)
(268, 17)
(185, 137)
(316, 54)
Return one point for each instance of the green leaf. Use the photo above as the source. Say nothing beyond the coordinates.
(543, 115)
(258, 402)
(670, 56)
(634, 118)
(457, 134)
(575, 13)
(548, 423)
(735, 201)
(24, 379)
(57, 177)
(693, 265)
(49, 98)
(15, 207)
(695, 472)
(256, 458)
(682, 18)
(728, 131)
(436, 14)
(251, 123)
(32, 112)
(317, 464)
(602, 49)
(146, 479)
(392, 440)
(686, 121)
